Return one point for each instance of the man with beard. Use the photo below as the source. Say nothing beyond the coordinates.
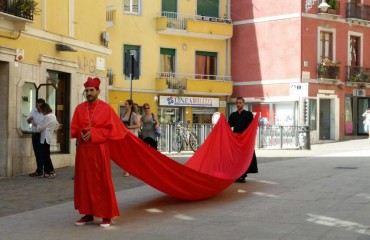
(94, 125)
(239, 121)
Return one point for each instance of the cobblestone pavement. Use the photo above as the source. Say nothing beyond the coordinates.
(23, 193)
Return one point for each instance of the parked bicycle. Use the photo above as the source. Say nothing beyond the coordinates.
(185, 137)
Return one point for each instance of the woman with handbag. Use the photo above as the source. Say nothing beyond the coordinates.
(150, 127)
(131, 121)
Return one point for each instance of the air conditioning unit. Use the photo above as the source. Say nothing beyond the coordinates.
(359, 92)
(105, 37)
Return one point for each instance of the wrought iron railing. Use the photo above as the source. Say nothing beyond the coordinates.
(273, 137)
(358, 74)
(178, 80)
(179, 20)
(19, 8)
(327, 71)
(358, 11)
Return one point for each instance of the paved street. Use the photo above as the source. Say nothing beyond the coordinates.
(323, 193)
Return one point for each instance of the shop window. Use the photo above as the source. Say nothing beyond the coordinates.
(131, 59)
(57, 94)
(132, 6)
(206, 65)
(348, 117)
(312, 114)
(28, 103)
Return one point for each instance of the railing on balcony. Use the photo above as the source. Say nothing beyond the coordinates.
(358, 11)
(178, 20)
(327, 71)
(19, 8)
(178, 80)
(358, 74)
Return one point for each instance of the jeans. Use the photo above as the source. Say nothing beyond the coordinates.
(37, 148)
(48, 165)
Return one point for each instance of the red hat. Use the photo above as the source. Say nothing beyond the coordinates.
(92, 82)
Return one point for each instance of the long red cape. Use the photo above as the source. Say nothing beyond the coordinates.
(221, 159)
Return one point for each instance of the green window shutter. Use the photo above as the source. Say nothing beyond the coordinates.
(202, 53)
(169, 5)
(208, 8)
(168, 51)
(131, 65)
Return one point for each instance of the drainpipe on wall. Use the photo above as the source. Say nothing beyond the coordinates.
(227, 64)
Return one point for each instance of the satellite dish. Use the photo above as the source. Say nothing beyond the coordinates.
(215, 117)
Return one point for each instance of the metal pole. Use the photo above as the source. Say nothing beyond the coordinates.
(132, 59)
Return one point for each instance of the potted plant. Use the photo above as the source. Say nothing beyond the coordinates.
(334, 4)
(24, 8)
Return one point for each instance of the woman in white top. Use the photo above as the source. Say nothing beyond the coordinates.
(131, 121)
(47, 128)
(366, 122)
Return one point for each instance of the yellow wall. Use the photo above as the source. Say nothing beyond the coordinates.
(142, 31)
(57, 16)
(90, 20)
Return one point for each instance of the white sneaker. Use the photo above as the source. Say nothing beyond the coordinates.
(106, 222)
(126, 174)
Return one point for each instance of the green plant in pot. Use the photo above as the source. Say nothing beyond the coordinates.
(24, 7)
(333, 4)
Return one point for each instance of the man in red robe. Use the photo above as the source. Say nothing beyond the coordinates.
(95, 125)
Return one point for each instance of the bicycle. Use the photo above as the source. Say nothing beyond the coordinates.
(183, 135)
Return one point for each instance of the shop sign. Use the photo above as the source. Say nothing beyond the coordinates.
(188, 101)
(298, 89)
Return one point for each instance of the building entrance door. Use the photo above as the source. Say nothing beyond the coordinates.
(324, 119)
(363, 105)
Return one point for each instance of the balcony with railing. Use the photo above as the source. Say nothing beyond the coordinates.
(358, 11)
(14, 14)
(327, 70)
(24, 9)
(194, 83)
(179, 24)
(359, 75)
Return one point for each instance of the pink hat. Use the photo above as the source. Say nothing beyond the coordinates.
(92, 82)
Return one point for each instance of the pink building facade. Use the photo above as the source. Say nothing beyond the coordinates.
(298, 64)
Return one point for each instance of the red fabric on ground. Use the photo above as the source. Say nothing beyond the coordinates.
(221, 159)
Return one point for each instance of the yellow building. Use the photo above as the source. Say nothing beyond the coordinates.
(171, 54)
(47, 52)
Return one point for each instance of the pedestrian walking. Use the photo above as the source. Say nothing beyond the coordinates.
(149, 122)
(366, 122)
(239, 121)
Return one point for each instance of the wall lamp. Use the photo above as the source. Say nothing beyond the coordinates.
(64, 48)
(324, 6)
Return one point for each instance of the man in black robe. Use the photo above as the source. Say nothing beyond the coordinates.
(239, 121)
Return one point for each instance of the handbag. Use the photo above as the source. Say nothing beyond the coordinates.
(157, 131)
(140, 134)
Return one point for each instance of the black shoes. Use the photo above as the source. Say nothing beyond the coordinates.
(35, 174)
(240, 180)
